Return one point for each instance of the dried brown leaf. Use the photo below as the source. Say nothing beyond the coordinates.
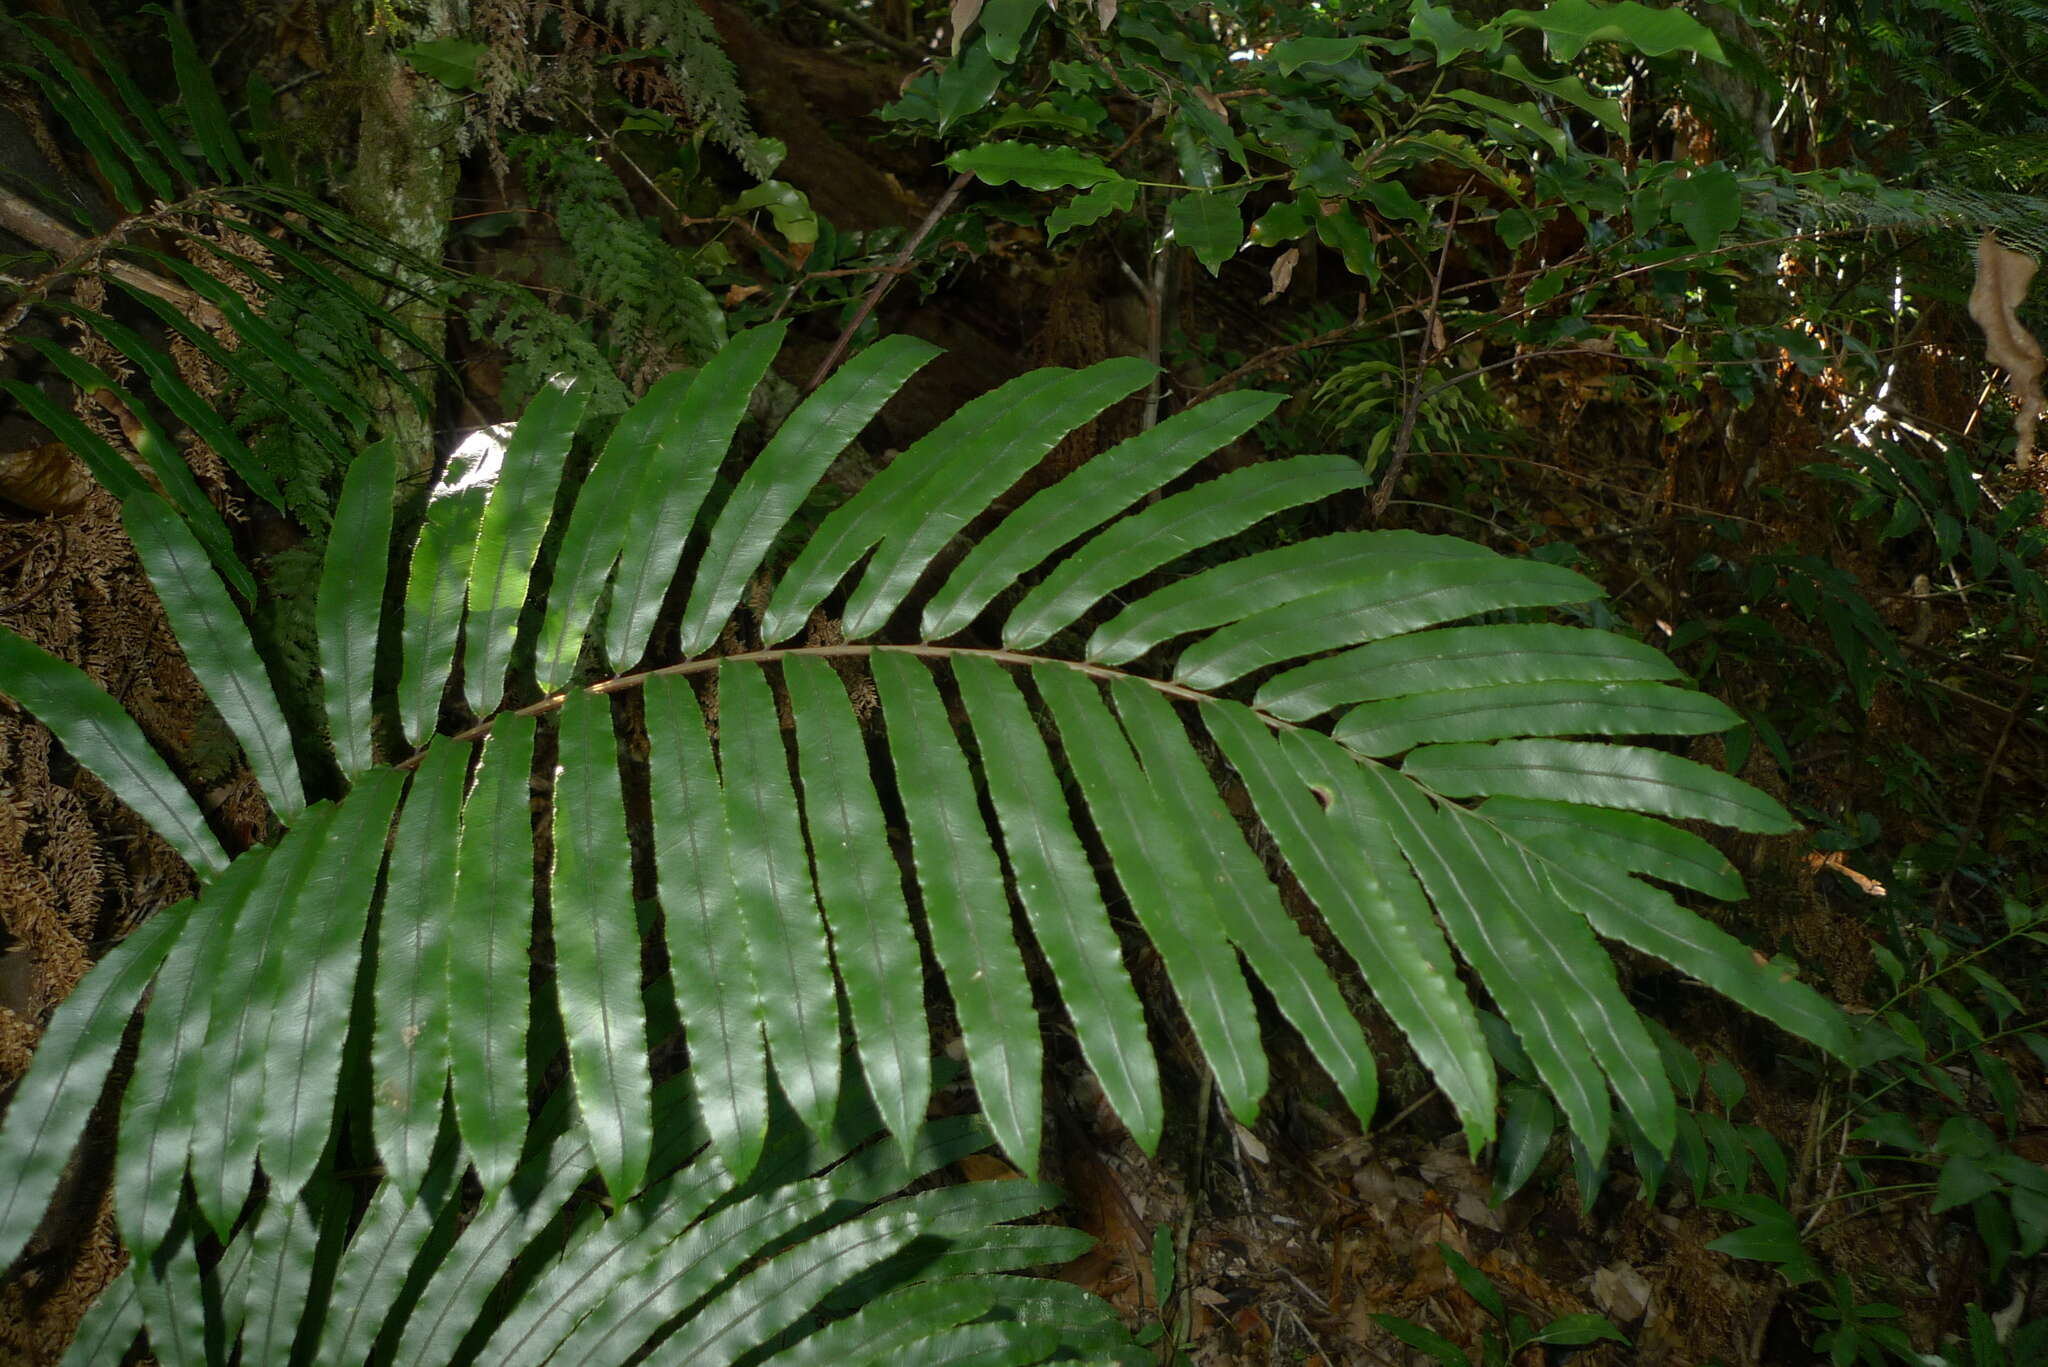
(2002, 279)
(44, 479)
(962, 17)
(1283, 273)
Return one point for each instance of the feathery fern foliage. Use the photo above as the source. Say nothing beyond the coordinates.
(253, 300)
(1038, 764)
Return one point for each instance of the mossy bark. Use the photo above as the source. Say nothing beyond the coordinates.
(402, 184)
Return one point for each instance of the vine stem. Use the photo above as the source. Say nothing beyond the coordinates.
(705, 664)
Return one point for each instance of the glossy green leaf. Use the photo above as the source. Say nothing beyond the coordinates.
(1570, 25)
(1509, 950)
(1209, 224)
(92, 122)
(1246, 901)
(1580, 1329)
(284, 1263)
(351, 602)
(1090, 207)
(436, 590)
(1087, 498)
(1169, 529)
(247, 983)
(770, 1297)
(328, 917)
(490, 928)
(1423, 1340)
(1625, 776)
(965, 909)
(508, 536)
(776, 900)
(1170, 883)
(451, 61)
(885, 504)
(163, 1102)
(1707, 204)
(370, 1279)
(883, 1328)
(174, 1291)
(217, 645)
(861, 889)
(1527, 1125)
(1513, 114)
(217, 141)
(1254, 586)
(1632, 843)
(1565, 708)
(1646, 918)
(259, 335)
(412, 348)
(1572, 90)
(192, 410)
(1345, 857)
(158, 451)
(617, 1249)
(1583, 981)
(789, 207)
(106, 740)
(1032, 166)
(1294, 53)
(1459, 658)
(1397, 600)
(689, 1267)
(409, 1045)
(1055, 882)
(951, 492)
(707, 940)
(597, 946)
(783, 474)
(47, 1112)
(502, 1228)
(238, 364)
(597, 524)
(677, 474)
(156, 133)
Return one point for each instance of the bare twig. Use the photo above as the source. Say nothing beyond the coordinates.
(866, 30)
(888, 280)
(2020, 707)
(1432, 347)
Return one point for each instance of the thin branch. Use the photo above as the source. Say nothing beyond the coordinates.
(2020, 707)
(889, 279)
(866, 30)
(1273, 355)
(1432, 347)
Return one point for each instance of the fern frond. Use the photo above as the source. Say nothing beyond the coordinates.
(695, 61)
(1194, 710)
(1968, 213)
